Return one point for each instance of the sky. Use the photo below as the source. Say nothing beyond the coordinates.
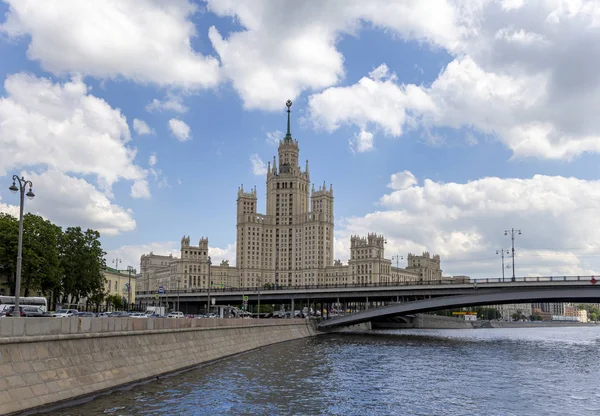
(440, 124)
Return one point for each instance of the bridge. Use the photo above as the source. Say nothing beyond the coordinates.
(367, 294)
(571, 293)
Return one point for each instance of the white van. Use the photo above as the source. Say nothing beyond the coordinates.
(175, 314)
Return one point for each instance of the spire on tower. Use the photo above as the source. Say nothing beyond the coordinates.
(306, 166)
(288, 135)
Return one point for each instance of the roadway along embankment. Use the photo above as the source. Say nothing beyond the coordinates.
(46, 361)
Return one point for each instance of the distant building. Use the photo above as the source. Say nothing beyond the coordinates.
(290, 245)
(117, 282)
(508, 310)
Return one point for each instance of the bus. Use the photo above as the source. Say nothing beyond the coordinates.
(38, 302)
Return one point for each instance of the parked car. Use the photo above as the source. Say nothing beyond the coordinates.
(138, 315)
(119, 314)
(27, 312)
(102, 315)
(86, 314)
(175, 314)
(65, 313)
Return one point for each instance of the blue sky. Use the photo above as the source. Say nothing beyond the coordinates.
(439, 125)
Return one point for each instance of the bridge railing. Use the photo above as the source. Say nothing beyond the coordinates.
(474, 282)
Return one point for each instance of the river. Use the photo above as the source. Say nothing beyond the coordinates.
(513, 371)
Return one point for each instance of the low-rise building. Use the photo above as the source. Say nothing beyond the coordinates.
(118, 282)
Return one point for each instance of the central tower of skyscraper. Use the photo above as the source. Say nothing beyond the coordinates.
(293, 242)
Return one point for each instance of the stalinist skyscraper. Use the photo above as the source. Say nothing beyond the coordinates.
(292, 243)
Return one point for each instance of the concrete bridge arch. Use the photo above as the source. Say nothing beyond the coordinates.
(559, 294)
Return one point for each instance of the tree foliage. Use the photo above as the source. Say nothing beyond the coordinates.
(64, 265)
(115, 300)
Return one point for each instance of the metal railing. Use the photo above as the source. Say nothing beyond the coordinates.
(472, 282)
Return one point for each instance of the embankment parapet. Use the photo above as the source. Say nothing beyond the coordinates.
(45, 361)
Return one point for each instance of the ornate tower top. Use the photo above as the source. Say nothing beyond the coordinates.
(288, 135)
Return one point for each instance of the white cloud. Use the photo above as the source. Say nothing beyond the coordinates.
(362, 142)
(153, 159)
(172, 103)
(513, 78)
(140, 189)
(63, 127)
(274, 137)
(259, 167)
(143, 40)
(402, 180)
(270, 58)
(376, 99)
(69, 201)
(130, 254)
(218, 254)
(141, 127)
(465, 223)
(179, 129)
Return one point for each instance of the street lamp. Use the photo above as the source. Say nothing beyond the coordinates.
(116, 262)
(398, 258)
(209, 284)
(13, 188)
(259, 282)
(512, 233)
(379, 265)
(501, 252)
(129, 269)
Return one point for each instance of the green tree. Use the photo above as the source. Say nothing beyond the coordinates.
(115, 300)
(40, 266)
(82, 263)
(593, 316)
(9, 234)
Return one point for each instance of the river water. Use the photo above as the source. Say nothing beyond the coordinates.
(513, 371)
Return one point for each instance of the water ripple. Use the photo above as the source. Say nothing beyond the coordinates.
(530, 371)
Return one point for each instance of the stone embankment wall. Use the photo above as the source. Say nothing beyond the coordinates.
(535, 324)
(45, 361)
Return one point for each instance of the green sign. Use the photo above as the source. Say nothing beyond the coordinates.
(245, 298)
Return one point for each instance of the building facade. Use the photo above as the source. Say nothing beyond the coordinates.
(118, 282)
(291, 244)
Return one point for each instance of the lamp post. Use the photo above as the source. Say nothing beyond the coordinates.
(178, 278)
(512, 233)
(501, 252)
(398, 258)
(129, 270)
(13, 188)
(259, 281)
(379, 262)
(209, 284)
(116, 262)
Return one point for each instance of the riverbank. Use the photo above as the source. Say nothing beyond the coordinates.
(425, 321)
(48, 361)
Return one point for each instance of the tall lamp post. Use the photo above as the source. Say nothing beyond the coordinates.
(259, 282)
(116, 262)
(13, 188)
(129, 269)
(209, 285)
(398, 258)
(379, 262)
(512, 233)
(501, 252)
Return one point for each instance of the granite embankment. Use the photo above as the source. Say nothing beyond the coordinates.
(425, 321)
(46, 361)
